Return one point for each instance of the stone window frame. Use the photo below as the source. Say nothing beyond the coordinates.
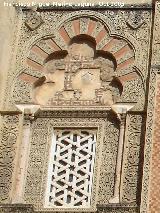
(98, 124)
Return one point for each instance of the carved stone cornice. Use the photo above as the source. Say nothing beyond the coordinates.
(131, 208)
(81, 113)
(26, 208)
(19, 208)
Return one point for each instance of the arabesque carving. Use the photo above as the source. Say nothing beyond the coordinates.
(9, 134)
(80, 60)
(87, 70)
(33, 21)
(131, 183)
(38, 165)
(135, 19)
(44, 41)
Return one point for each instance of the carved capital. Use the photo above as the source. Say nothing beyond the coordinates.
(121, 110)
(28, 110)
(122, 118)
(29, 118)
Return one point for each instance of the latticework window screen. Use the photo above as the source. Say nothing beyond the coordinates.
(71, 166)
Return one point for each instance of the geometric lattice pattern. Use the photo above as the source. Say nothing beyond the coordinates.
(71, 168)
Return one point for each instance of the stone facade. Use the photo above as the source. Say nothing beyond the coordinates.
(88, 76)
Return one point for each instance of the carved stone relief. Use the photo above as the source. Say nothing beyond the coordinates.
(107, 175)
(38, 163)
(16, 208)
(22, 92)
(23, 208)
(78, 60)
(33, 21)
(135, 19)
(81, 77)
(43, 48)
(125, 208)
(9, 134)
(133, 158)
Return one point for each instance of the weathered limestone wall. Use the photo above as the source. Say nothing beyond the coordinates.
(9, 124)
(7, 25)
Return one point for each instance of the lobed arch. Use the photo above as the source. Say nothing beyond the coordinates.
(120, 50)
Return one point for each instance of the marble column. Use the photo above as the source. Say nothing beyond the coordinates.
(116, 196)
(121, 111)
(28, 112)
(22, 163)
